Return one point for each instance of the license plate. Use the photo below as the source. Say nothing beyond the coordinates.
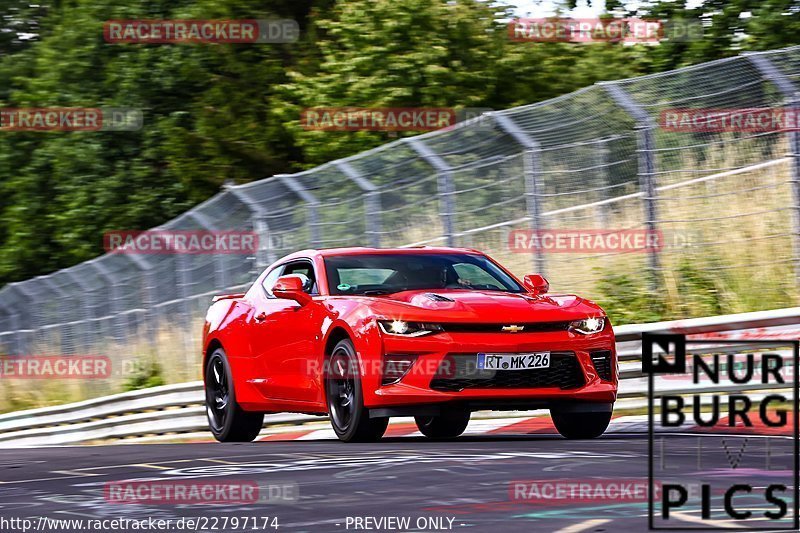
(516, 361)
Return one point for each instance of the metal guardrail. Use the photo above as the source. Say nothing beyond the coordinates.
(176, 409)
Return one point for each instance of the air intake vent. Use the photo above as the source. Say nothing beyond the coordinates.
(602, 363)
(458, 372)
(437, 297)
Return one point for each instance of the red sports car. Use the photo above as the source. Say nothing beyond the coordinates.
(365, 334)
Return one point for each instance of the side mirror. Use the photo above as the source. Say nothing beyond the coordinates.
(290, 287)
(536, 283)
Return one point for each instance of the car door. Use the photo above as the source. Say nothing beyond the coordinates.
(285, 338)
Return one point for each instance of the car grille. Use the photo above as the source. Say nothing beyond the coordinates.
(457, 372)
(527, 327)
(602, 363)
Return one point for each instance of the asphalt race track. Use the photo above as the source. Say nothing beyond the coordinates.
(462, 484)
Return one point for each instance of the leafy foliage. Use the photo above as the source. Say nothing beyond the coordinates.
(217, 113)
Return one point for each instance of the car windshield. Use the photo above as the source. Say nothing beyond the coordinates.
(377, 274)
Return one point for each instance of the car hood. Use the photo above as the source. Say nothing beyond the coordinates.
(484, 306)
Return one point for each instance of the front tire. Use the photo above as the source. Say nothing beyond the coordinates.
(227, 421)
(449, 425)
(349, 418)
(572, 425)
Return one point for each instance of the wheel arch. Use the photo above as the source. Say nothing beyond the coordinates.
(337, 334)
(211, 347)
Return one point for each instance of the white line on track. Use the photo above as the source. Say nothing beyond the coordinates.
(686, 517)
(583, 526)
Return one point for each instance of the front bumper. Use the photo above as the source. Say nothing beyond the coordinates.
(414, 389)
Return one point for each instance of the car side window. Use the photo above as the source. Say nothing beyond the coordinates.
(304, 268)
(270, 279)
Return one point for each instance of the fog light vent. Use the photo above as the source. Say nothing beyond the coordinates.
(602, 364)
(395, 366)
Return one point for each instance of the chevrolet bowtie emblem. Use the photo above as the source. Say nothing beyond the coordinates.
(513, 329)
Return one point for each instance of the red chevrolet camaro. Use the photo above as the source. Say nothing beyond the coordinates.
(365, 334)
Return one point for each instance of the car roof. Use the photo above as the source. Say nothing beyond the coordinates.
(360, 250)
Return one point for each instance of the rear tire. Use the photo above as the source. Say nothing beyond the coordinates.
(449, 425)
(574, 425)
(349, 418)
(227, 421)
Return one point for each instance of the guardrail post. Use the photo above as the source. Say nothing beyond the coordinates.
(532, 171)
(645, 125)
(372, 202)
(444, 184)
(313, 206)
(792, 101)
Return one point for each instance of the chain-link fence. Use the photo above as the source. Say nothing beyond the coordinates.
(597, 159)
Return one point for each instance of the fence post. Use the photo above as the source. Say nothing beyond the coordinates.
(444, 184)
(372, 202)
(601, 158)
(16, 327)
(86, 307)
(33, 324)
(532, 171)
(792, 100)
(313, 206)
(113, 290)
(647, 165)
(265, 255)
(220, 270)
(47, 280)
(20, 346)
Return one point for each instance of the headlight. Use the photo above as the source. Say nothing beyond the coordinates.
(587, 326)
(408, 329)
